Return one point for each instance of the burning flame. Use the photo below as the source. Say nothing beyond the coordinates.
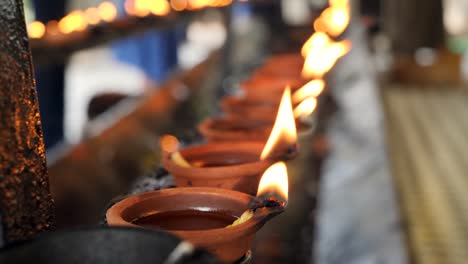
(274, 181)
(198, 4)
(36, 30)
(107, 11)
(320, 61)
(142, 8)
(75, 21)
(316, 42)
(283, 133)
(92, 16)
(305, 108)
(311, 89)
(335, 19)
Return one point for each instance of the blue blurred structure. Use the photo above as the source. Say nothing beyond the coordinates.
(154, 52)
(50, 80)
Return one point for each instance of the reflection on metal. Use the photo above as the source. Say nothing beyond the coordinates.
(25, 204)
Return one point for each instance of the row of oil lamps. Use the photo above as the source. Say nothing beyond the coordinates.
(106, 12)
(229, 187)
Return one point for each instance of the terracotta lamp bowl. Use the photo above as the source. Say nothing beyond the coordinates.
(198, 215)
(285, 60)
(226, 165)
(271, 83)
(240, 127)
(268, 90)
(250, 109)
(234, 103)
(235, 129)
(286, 65)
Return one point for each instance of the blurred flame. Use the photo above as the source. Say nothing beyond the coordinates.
(274, 181)
(179, 5)
(160, 8)
(92, 16)
(198, 4)
(130, 7)
(305, 108)
(52, 28)
(335, 19)
(107, 11)
(320, 61)
(169, 143)
(143, 8)
(283, 133)
(36, 30)
(317, 41)
(311, 89)
(75, 21)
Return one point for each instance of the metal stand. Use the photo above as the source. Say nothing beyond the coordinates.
(26, 207)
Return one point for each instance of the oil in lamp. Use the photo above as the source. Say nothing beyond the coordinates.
(208, 217)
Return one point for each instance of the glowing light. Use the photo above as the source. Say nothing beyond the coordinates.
(335, 19)
(179, 5)
(311, 89)
(315, 43)
(75, 21)
(198, 4)
(274, 182)
(36, 30)
(92, 16)
(160, 8)
(107, 11)
(305, 108)
(283, 134)
(130, 7)
(319, 62)
(143, 8)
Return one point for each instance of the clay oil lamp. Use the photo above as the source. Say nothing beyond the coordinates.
(256, 124)
(284, 65)
(320, 53)
(223, 222)
(259, 108)
(269, 88)
(234, 128)
(233, 165)
(241, 129)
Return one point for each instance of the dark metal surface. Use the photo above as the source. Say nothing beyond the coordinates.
(26, 207)
(105, 245)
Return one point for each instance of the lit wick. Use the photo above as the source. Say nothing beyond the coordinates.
(272, 195)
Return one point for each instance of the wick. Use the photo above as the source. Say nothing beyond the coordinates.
(266, 203)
